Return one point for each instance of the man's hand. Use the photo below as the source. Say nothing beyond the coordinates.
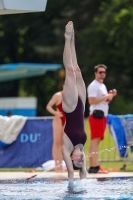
(114, 92)
(109, 97)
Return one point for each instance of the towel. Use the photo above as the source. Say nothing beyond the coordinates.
(10, 128)
(117, 132)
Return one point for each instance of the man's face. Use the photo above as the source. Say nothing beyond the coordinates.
(100, 74)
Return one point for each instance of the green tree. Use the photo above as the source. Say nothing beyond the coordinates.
(103, 35)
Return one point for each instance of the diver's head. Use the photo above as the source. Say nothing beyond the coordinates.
(78, 159)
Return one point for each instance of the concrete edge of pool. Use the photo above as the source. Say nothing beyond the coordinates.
(63, 175)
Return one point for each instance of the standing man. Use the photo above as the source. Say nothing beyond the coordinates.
(98, 98)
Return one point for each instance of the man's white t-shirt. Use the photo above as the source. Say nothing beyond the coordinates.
(97, 89)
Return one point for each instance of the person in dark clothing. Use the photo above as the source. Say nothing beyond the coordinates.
(73, 103)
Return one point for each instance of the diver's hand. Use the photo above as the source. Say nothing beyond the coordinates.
(71, 185)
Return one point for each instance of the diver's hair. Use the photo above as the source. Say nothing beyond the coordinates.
(76, 168)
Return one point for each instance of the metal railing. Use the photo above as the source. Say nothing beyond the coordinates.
(108, 151)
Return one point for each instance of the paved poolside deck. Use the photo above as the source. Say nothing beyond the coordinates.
(43, 175)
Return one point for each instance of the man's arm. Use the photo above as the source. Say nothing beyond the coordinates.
(92, 96)
(95, 100)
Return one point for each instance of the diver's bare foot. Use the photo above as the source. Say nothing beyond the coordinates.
(69, 30)
(73, 35)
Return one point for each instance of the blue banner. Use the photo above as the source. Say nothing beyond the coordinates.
(32, 148)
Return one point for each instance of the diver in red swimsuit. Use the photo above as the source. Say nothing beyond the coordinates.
(58, 128)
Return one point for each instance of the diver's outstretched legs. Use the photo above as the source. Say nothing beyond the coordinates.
(70, 92)
(79, 80)
(74, 83)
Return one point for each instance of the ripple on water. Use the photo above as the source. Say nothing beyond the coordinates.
(92, 189)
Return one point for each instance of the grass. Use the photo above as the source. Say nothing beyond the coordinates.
(107, 151)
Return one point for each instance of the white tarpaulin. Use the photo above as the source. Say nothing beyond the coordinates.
(10, 127)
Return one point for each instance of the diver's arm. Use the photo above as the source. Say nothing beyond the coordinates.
(68, 161)
(82, 172)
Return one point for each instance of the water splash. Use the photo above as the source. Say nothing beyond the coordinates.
(109, 150)
(108, 189)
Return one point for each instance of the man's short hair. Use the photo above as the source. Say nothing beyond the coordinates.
(100, 66)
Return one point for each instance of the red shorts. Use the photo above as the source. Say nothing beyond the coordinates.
(97, 127)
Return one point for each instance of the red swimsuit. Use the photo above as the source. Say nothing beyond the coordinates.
(63, 118)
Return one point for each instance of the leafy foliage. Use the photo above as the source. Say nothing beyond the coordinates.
(103, 35)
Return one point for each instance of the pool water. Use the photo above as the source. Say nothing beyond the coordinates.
(90, 189)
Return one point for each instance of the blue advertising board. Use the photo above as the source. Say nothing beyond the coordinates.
(32, 148)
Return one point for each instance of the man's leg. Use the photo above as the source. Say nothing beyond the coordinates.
(97, 127)
(93, 152)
